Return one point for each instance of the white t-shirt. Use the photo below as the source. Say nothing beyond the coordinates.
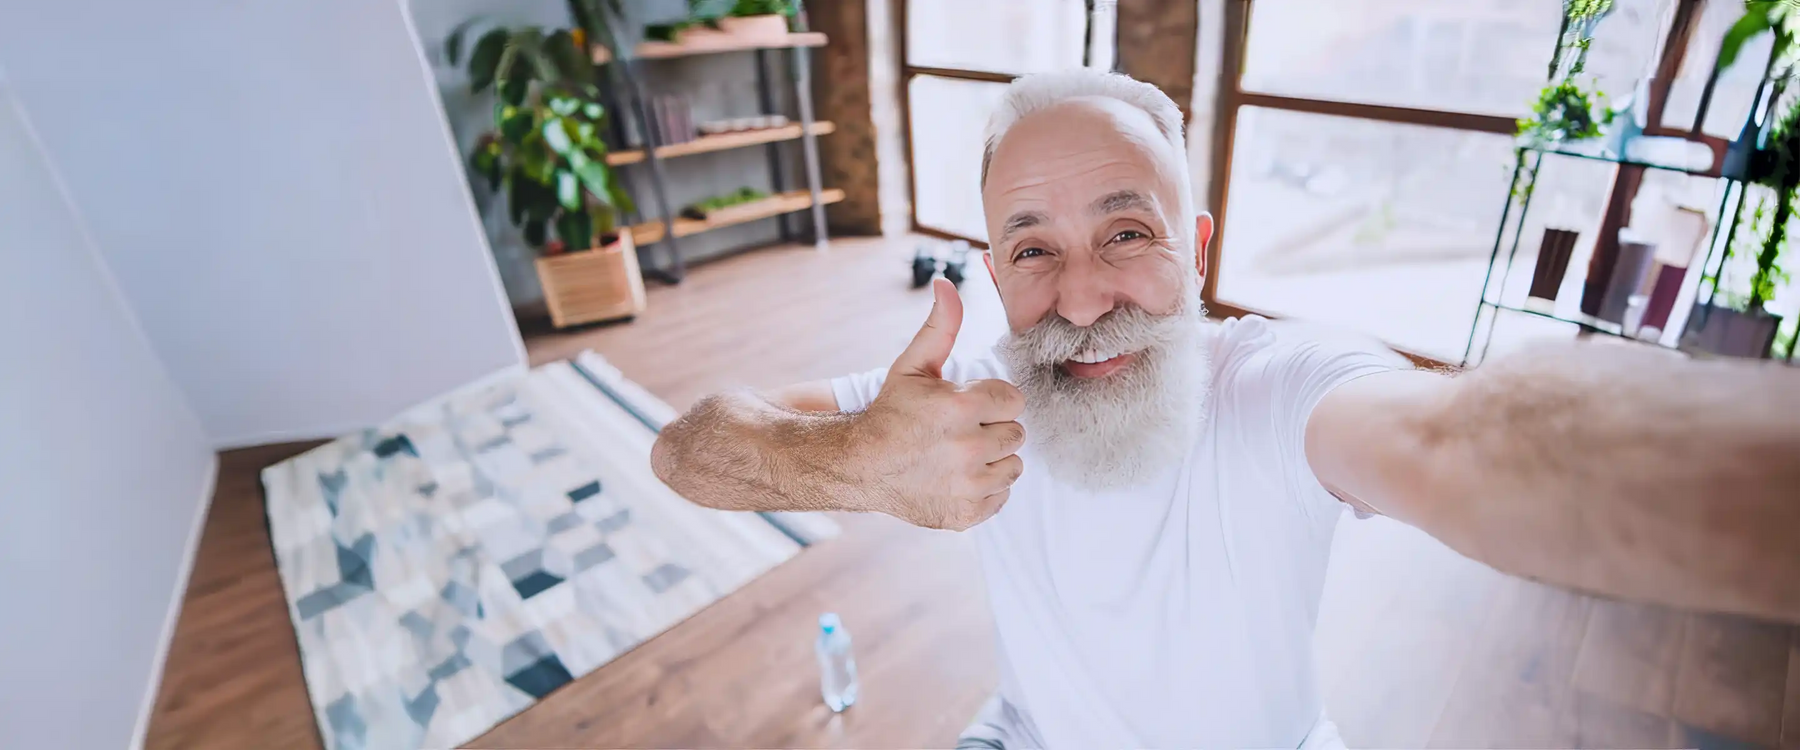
(1178, 613)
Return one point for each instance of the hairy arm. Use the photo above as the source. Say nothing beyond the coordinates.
(1615, 469)
(927, 451)
(741, 450)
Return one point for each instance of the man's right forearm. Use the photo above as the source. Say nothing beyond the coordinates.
(737, 451)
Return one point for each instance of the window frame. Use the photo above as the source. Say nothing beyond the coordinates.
(1231, 97)
(909, 71)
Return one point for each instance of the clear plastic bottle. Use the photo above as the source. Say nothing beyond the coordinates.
(837, 666)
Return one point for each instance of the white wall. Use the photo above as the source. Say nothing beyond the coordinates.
(275, 189)
(103, 475)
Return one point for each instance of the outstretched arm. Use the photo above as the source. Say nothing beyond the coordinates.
(1610, 468)
(927, 451)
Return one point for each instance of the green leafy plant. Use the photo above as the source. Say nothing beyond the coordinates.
(1565, 110)
(545, 152)
(708, 13)
(699, 209)
(1762, 240)
(764, 8)
(1761, 16)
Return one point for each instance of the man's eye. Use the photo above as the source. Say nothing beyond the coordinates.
(1030, 252)
(1129, 235)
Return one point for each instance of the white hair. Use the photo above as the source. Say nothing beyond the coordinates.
(1039, 91)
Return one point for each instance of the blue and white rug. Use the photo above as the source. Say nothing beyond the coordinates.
(449, 569)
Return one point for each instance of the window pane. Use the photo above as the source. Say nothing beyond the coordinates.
(1736, 89)
(998, 36)
(1486, 56)
(948, 116)
(1382, 228)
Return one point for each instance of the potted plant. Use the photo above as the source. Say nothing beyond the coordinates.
(759, 19)
(712, 21)
(1737, 321)
(546, 156)
(1565, 109)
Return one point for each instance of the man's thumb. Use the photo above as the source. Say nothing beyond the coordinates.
(931, 346)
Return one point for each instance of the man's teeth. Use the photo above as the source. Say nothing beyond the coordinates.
(1093, 356)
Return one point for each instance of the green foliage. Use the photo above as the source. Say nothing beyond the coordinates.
(1756, 252)
(1779, 16)
(742, 195)
(764, 8)
(1565, 112)
(544, 152)
(708, 13)
(1576, 9)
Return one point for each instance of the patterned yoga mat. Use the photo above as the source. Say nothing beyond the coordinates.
(448, 569)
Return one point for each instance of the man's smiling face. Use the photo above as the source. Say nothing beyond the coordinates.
(1094, 255)
(1086, 213)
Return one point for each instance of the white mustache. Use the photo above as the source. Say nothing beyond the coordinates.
(1125, 329)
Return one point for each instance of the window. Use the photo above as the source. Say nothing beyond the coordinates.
(954, 67)
(1363, 152)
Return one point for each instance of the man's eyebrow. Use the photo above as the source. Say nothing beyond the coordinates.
(1022, 220)
(1120, 200)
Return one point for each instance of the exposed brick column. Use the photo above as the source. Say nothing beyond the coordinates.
(1157, 44)
(841, 95)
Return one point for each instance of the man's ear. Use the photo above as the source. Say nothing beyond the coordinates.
(1203, 232)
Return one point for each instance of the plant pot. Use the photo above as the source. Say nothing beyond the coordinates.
(588, 286)
(1730, 333)
(772, 28)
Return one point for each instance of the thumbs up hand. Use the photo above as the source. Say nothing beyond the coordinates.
(943, 456)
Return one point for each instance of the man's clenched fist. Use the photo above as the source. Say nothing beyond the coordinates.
(941, 455)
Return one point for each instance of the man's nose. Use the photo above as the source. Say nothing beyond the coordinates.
(1084, 293)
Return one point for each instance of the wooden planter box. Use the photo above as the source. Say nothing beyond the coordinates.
(588, 286)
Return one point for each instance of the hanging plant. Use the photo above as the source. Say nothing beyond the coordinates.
(1565, 109)
(1565, 112)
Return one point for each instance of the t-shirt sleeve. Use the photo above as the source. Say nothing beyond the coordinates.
(1300, 373)
(855, 392)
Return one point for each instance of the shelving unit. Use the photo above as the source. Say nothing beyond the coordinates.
(651, 232)
(1500, 264)
(665, 50)
(721, 142)
(659, 233)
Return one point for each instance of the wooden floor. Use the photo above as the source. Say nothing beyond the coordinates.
(1416, 646)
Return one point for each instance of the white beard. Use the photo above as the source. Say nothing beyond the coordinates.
(1123, 429)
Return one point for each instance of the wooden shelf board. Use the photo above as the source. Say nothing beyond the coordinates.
(721, 142)
(774, 205)
(661, 50)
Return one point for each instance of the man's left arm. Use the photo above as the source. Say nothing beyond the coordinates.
(1609, 468)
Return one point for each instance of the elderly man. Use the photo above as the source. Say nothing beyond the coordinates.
(1154, 494)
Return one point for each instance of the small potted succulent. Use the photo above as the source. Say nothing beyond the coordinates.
(758, 19)
(546, 156)
(749, 20)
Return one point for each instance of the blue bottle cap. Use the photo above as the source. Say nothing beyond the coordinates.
(829, 622)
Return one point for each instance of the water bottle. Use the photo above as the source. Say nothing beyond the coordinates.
(837, 667)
